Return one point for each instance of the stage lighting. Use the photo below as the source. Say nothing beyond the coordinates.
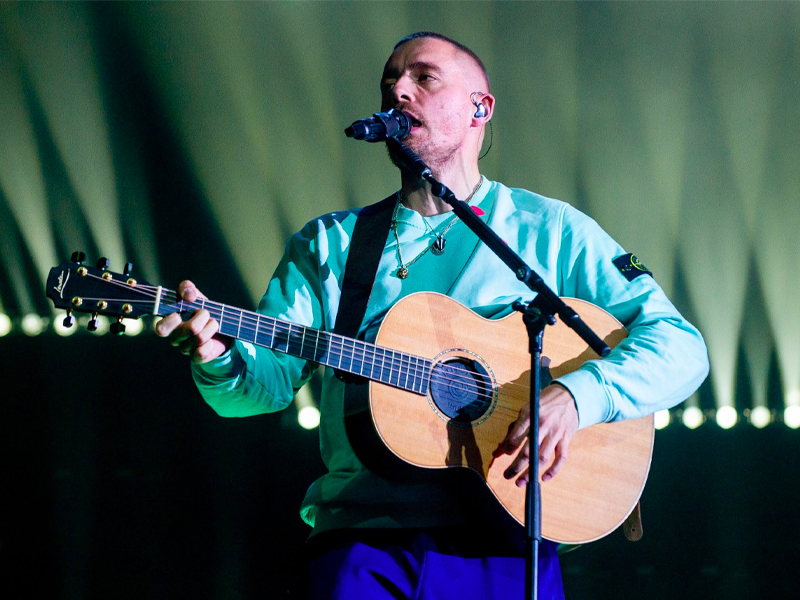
(5, 324)
(760, 417)
(133, 326)
(661, 419)
(791, 416)
(102, 325)
(58, 326)
(32, 324)
(693, 417)
(727, 417)
(308, 417)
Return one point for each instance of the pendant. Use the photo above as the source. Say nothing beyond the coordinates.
(402, 273)
(438, 246)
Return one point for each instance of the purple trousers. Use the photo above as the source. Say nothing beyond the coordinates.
(421, 565)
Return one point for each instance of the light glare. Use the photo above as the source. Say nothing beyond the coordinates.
(693, 417)
(32, 324)
(5, 324)
(308, 417)
(103, 325)
(58, 326)
(791, 416)
(760, 417)
(727, 417)
(661, 419)
(133, 326)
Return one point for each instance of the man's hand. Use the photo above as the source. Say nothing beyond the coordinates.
(198, 336)
(558, 421)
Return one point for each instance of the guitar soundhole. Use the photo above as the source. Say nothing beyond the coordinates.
(461, 388)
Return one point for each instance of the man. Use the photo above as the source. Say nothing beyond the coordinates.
(375, 537)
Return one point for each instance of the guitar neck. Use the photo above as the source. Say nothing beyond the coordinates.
(397, 369)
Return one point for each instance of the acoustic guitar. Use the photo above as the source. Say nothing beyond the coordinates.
(444, 387)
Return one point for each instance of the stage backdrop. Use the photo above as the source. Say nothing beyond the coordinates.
(193, 138)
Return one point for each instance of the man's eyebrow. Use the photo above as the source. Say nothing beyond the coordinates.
(419, 65)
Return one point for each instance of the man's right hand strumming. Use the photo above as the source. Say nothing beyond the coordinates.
(198, 337)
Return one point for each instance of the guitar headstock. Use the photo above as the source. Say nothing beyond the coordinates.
(76, 287)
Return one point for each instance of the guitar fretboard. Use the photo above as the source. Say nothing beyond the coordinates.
(398, 369)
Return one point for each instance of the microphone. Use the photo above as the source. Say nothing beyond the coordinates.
(393, 123)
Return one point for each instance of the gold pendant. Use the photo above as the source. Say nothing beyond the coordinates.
(402, 272)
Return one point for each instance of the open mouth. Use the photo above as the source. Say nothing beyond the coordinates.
(415, 122)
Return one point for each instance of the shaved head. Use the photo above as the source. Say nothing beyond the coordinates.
(469, 54)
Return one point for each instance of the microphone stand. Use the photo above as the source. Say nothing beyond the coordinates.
(536, 315)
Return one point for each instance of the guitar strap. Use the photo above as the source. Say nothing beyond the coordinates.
(366, 247)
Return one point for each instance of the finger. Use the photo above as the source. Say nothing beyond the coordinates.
(518, 431)
(191, 344)
(209, 350)
(561, 458)
(523, 479)
(519, 463)
(187, 291)
(190, 328)
(166, 325)
(547, 446)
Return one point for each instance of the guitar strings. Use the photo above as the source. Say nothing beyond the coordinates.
(450, 375)
(420, 368)
(416, 369)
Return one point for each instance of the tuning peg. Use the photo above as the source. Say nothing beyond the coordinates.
(92, 325)
(78, 257)
(103, 263)
(128, 269)
(69, 320)
(117, 328)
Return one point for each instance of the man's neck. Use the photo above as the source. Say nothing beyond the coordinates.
(417, 194)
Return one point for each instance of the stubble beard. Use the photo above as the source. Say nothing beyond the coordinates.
(437, 160)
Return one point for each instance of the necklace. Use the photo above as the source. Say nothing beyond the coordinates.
(437, 247)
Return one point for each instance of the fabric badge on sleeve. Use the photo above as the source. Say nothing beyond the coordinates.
(630, 266)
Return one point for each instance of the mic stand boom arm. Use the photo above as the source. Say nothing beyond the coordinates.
(536, 315)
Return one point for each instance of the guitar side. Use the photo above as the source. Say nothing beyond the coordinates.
(608, 464)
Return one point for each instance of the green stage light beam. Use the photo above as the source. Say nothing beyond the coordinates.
(537, 76)
(20, 173)
(59, 56)
(636, 66)
(778, 221)
(744, 84)
(713, 244)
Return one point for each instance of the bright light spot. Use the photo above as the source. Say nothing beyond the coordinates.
(726, 417)
(5, 325)
(308, 417)
(58, 326)
(791, 416)
(133, 326)
(102, 326)
(760, 417)
(693, 417)
(661, 419)
(32, 324)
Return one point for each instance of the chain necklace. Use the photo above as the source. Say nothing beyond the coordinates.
(437, 247)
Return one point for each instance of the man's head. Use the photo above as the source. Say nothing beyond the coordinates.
(438, 82)
(438, 36)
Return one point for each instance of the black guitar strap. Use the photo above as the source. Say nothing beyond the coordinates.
(366, 247)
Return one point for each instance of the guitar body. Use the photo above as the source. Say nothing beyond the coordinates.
(608, 463)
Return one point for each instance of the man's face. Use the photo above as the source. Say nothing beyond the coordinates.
(432, 81)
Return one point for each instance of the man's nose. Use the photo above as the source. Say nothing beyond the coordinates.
(402, 90)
